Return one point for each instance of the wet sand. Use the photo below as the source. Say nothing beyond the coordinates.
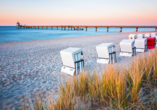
(31, 67)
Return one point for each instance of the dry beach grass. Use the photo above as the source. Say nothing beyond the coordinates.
(32, 67)
(132, 87)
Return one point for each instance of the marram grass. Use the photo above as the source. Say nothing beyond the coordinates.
(117, 88)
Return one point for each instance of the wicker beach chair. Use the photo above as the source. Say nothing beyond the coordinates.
(127, 48)
(154, 35)
(147, 35)
(151, 42)
(106, 53)
(72, 62)
(141, 45)
(140, 36)
(132, 36)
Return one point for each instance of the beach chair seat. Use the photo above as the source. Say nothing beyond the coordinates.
(141, 45)
(127, 48)
(132, 36)
(72, 62)
(140, 35)
(151, 42)
(106, 53)
(147, 35)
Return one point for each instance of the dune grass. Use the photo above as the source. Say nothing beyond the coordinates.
(133, 87)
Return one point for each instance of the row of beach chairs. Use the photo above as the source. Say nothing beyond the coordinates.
(73, 63)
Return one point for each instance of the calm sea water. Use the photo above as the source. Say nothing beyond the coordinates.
(12, 34)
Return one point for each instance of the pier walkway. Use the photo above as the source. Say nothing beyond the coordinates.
(64, 27)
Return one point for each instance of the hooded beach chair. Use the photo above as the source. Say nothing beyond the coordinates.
(140, 35)
(132, 36)
(154, 35)
(106, 53)
(72, 62)
(127, 48)
(141, 45)
(151, 42)
(147, 35)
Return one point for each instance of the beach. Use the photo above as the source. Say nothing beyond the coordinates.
(31, 67)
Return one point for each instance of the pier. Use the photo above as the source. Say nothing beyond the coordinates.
(64, 27)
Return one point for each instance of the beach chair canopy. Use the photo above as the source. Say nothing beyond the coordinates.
(70, 56)
(127, 45)
(132, 36)
(105, 49)
(140, 35)
(147, 35)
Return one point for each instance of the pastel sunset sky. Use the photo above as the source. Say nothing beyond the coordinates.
(78, 12)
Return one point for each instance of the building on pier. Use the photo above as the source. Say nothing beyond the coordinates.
(17, 25)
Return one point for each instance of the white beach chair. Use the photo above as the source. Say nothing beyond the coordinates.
(132, 36)
(106, 53)
(154, 35)
(127, 48)
(147, 35)
(141, 45)
(140, 35)
(72, 62)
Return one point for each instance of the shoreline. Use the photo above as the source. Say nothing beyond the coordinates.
(29, 67)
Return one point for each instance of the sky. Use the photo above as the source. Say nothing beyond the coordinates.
(78, 12)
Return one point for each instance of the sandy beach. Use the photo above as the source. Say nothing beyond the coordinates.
(31, 67)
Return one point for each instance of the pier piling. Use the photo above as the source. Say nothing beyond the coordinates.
(120, 29)
(107, 29)
(137, 29)
(95, 28)
(86, 28)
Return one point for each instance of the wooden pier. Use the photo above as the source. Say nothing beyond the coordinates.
(64, 27)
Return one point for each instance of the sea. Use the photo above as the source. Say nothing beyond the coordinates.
(13, 34)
